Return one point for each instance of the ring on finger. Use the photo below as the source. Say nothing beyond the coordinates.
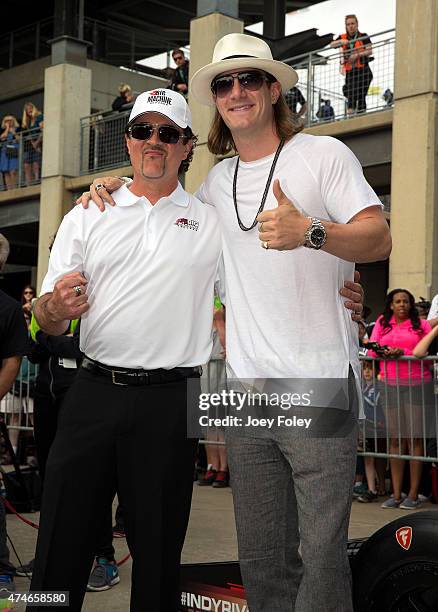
(78, 290)
(261, 227)
(265, 244)
(98, 186)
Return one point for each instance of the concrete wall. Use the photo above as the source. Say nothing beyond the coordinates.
(106, 79)
(414, 197)
(23, 80)
(204, 34)
(26, 82)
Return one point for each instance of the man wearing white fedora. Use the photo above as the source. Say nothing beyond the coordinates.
(296, 213)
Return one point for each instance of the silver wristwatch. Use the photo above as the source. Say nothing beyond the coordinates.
(315, 236)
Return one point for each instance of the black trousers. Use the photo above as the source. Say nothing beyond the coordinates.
(45, 424)
(6, 567)
(109, 439)
(357, 83)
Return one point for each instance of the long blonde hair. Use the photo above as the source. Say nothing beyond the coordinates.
(220, 140)
(25, 124)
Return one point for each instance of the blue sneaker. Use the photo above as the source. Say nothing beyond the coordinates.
(7, 585)
(104, 575)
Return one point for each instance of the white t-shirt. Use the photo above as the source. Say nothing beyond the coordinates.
(433, 312)
(151, 272)
(285, 317)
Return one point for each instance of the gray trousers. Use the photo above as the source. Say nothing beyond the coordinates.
(290, 491)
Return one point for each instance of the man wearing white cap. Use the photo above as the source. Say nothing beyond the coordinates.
(141, 276)
(304, 200)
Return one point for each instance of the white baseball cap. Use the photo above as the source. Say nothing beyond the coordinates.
(166, 102)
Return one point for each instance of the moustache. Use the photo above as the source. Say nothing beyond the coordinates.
(153, 148)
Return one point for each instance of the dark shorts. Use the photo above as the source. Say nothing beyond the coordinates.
(409, 410)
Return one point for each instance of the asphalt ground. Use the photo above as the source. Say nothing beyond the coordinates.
(211, 537)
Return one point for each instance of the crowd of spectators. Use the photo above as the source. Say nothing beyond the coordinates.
(394, 392)
(21, 140)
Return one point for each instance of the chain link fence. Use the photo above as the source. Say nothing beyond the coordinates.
(103, 141)
(324, 82)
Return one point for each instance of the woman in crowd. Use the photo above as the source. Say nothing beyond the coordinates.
(33, 120)
(26, 298)
(9, 151)
(355, 59)
(400, 329)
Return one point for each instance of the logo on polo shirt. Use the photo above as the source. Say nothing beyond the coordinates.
(159, 97)
(190, 224)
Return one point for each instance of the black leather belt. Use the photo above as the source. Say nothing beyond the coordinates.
(125, 377)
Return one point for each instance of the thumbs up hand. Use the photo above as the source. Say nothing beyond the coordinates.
(282, 228)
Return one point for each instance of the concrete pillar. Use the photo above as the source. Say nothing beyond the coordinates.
(67, 98)
(414, 180)
(204, 34)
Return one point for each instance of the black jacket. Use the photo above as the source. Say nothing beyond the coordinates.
(53, 379)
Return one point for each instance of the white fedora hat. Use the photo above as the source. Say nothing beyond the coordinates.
(236, 51)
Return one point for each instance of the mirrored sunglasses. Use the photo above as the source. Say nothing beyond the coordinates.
(144, 131)
(252, 80)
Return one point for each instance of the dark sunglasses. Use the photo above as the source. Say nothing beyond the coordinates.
(252, 80)
(177, 58)
(144, 131)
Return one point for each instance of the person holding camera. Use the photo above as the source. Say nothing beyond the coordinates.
(9, 151)
(400, 329)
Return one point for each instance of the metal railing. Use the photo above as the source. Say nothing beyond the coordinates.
(401, 410)
(110, 43)
(16, 408)
(103, 142)
(322, 78)
(26, 44)
(20, 159)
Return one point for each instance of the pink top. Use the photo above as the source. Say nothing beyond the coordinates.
(405, 337)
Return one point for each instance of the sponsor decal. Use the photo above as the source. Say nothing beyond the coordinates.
(159, 96)
(194, 601)
(190, 224)
(403, 535)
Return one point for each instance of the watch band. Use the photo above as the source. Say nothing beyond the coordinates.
(315, 236)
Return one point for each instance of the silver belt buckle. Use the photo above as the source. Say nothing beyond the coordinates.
(113, 378)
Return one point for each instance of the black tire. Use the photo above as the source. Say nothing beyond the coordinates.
(388, 578)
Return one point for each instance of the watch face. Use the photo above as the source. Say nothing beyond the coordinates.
(317, 236)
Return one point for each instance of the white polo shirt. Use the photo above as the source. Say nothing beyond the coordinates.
(151, 272)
